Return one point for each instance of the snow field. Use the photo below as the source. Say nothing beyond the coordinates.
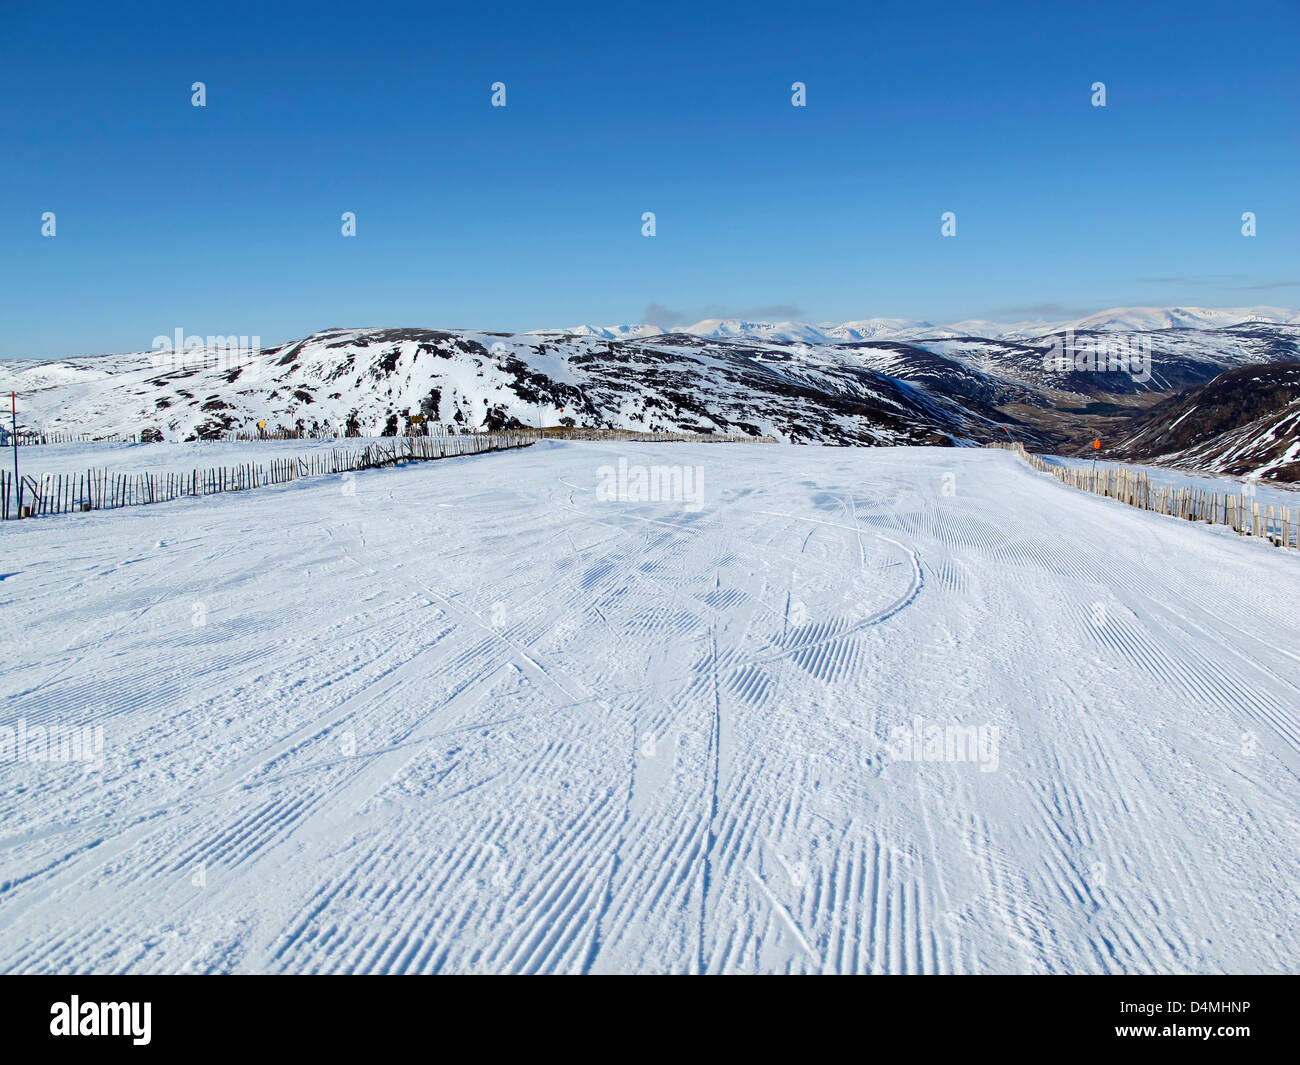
(477, 716)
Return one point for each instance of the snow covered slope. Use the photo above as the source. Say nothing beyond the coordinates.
(1246, 421)
(471, 717)
(1154, 318)
(1122, 319)
(1178, 358)
(366, 381)
(952, 389)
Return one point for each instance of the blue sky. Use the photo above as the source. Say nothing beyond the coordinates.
(226, 219)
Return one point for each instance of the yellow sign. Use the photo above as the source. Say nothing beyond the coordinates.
(262, 424)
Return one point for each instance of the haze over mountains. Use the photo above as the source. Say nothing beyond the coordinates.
(882, 382)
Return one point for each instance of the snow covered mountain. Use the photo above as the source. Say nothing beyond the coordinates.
(1153, 318)
(612, 332)
(1128, 319)
(939, 389)
(370, 381)
(1246, 421)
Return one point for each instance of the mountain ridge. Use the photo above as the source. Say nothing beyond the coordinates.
(955, 391)
(1126, 319)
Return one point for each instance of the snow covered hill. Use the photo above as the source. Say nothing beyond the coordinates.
(369, 381)
(1246, 421)
(860, 710)
(1155, 318)
(1054, 393)
(1126, 319)
(1047, 391)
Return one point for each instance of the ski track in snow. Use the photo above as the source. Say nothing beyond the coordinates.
(467, 717)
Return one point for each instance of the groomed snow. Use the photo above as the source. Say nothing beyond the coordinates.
(474, 717)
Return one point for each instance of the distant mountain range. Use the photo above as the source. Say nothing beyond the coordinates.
(1142, 319)
(878, 382)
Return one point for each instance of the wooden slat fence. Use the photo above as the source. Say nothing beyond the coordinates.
(52, 493)
(1242, 512)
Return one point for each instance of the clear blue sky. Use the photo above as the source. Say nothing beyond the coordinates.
(226, 219)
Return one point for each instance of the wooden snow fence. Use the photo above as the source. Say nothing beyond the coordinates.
(52, 494)
(1243, 513)
(60, 493)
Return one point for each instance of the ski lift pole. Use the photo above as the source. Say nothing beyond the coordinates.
(18, 484)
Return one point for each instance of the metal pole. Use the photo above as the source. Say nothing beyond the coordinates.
(18, 485)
